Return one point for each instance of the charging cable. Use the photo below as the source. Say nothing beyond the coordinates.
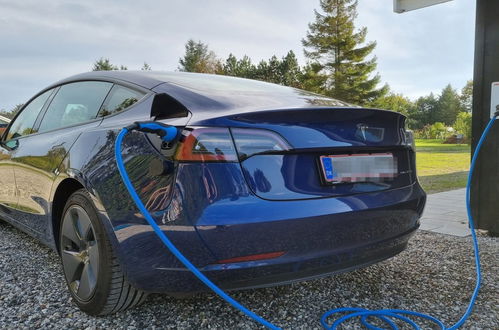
(170, 133)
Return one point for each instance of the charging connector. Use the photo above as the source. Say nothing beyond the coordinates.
(167, 133)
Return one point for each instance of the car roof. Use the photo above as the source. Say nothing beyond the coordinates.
(140, 78)
(200, 92)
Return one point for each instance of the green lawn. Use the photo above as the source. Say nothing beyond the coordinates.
(441, 166)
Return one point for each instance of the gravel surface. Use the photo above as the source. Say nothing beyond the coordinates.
(434, 275)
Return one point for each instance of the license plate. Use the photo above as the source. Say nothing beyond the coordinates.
(359, 168)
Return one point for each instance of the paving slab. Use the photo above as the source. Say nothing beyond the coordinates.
(445, 213)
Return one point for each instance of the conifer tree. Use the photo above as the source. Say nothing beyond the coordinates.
(466, 97)
(312, 79)
(286, 71)
(146, 67)
(334, 45)
(449, 105)
(104, 64)
(230, 67)
(290, 70)
(425, 112)
(198, 58)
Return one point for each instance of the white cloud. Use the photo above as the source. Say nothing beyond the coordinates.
(424, 50)
(42, 42)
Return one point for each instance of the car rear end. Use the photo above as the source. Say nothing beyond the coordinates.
(285, 195)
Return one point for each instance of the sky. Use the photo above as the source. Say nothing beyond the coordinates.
(418, 52)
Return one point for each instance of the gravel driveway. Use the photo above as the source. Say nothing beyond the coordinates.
(434, 276)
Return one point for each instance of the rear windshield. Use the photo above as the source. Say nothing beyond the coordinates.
(215, 83)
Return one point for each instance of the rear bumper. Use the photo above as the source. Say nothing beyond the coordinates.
(252, 275)
(319, 237)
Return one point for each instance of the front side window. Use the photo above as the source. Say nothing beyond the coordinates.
(23, 124)
(75, 103)
(119, 99)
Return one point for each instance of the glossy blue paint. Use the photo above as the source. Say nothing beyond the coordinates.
(299, 176)
(317, 236)
(215, 211)
(326, 127)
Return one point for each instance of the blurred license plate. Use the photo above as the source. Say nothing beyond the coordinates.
(359, 168)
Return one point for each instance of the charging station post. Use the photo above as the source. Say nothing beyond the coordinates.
(485, 186)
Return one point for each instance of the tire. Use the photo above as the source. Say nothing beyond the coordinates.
(92, 272)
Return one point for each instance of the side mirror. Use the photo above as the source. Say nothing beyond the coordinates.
(10, 145)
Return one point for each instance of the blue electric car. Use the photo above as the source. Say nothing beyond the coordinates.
(264, 185)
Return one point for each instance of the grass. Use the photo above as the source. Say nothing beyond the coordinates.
(442, 167)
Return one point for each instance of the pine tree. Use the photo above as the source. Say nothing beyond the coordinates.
(230, 67)
(466, 97)
(261, 72)
(290, 70)
(312, 79)
(198, 58)
(449, 105)
(286, 71)
(245, 69)
(273, 73)
(146, 67)
(425, 112)
(104, 64)
(340, 51)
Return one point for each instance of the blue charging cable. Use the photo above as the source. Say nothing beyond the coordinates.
(170, 133)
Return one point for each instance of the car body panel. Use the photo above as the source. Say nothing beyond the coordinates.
(300, 176)
(8, 194)
(37, 159)
(92, 162)
(217, 211)
(233, 223)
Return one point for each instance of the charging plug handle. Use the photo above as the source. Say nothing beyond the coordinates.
(167, 133)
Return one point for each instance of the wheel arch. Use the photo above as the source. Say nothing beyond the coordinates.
(65, 188)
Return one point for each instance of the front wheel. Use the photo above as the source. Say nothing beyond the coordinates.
(92, 272)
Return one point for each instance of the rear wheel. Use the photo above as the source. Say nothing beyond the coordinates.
(92, 272)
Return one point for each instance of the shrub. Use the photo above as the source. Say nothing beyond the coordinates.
(436, 131)
(463, 124)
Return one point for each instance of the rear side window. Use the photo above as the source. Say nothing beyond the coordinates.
(23, 124)
(75, 103)
(119, 99)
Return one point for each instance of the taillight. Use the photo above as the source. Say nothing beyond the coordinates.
(207, 144)
(251, 141)
(409, 139)
(215, 144)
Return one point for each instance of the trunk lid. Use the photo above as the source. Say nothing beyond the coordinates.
(330, 127)
(316, 133)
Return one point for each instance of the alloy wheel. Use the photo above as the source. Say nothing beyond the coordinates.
(80, 252)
